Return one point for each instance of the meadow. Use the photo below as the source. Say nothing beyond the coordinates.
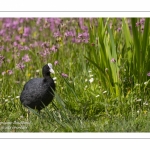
(102, 73)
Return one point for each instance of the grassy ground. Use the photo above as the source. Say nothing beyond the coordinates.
(101, 70)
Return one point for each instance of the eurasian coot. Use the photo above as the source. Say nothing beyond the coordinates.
(38, 92)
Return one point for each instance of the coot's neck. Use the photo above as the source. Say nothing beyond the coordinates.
(46, 76)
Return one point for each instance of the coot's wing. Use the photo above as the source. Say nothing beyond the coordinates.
(31, 91)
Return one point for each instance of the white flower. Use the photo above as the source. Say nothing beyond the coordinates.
(23, 82)
(106, 69)
(85, 87)
(97, 96)
(6, 100)
(91, 80)
(91, 75)
(145, 103)
(17, 96)
(86, 80)
(138, 100)
(54, 78)
(89, 71)
(104, 92)
(37, 71)
(146, 83)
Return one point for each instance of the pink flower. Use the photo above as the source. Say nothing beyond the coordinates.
(26, 58)
(27, 31)
(142, 20)
(3, 73)
(20, 66)
(113, 60)
(148, 74)
(56, 34)
(137, 24)
(56, 62)
(64, 75)
(54, 48)
(119, 29)
(45, 45)
(2, 58)
(17, 38)
(15, 43)
(9, 72)
(2, 32)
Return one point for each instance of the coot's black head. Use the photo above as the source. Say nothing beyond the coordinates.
(47, 69)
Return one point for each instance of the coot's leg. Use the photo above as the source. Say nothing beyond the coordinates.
(28, 114)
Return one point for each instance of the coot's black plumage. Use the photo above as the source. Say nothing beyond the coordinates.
(38, 92)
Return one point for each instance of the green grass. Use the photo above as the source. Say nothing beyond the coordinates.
(116, 101)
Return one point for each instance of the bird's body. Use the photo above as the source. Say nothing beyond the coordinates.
(38, 92)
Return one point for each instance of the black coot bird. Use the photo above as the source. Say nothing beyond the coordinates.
(38, 92)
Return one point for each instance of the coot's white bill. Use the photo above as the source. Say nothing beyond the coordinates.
(50, 68)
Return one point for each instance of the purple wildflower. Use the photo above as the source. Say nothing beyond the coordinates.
(44, 53)
(15, 24)
(3, 73)
(20, 47)
(113, 60)
(85, 34)
(35, 44)
(148, 74)
(119, 29)
(8, 25)
(64, 75)
(8, 38)
(17, 38)
(27, 31)
(56, 34)
(2, 32)
(142, 20)
(56, 62)
(23, 40)
(25, 48)
(77, 40)
(85, 40)
(2, 58)
(81, 22)
(45, 45)
(9, 72)
(41, 28)
(21, 20)
(57, 21)
(70, 33)
(137, 24)
(20, 66)
(85, 28)
(38, 21)
(52, 24)
(15, 43)
(26, 58)
(1, 48)
(54, 48)
(142, 27)
(80, 35)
